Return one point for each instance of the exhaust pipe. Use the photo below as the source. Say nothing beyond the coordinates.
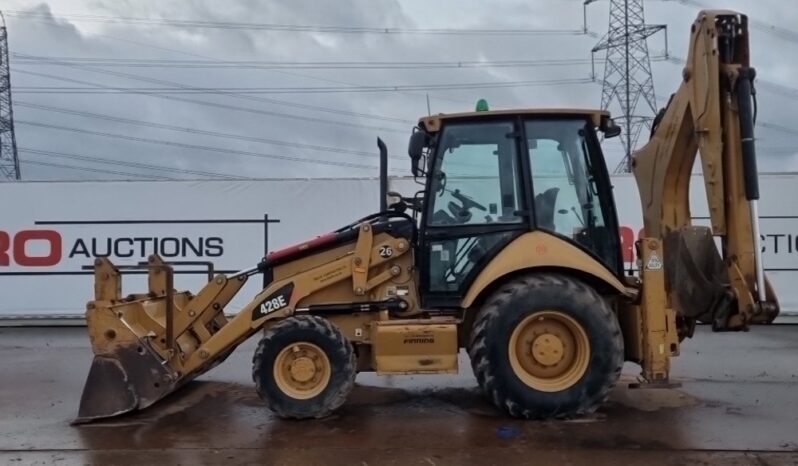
(383, 175)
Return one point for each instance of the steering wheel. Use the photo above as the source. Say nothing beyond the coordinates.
(468, 202)
(463, 212)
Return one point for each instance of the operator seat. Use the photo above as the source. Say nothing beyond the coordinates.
(544, 208)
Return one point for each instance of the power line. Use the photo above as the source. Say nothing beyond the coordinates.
(149, 124)
(216, 104)
(778, 150)
(775, 88)
(789, 35)
(776, 31)
(287, 73)
(776, 127)
(296, 90)
(88, 169)
(759, 122)
(767, 85)
(313, 65)
(180, 88)
(199, 147)
(121, 163)
(233, 95)
(101, 116)
(290, 27)
(136, 77)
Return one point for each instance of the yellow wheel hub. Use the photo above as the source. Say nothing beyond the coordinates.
(549, 351)
(302, 370)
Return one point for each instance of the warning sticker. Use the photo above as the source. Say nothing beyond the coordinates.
(654, 262)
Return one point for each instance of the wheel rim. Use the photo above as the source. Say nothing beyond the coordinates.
(549, 351)
(302, 370)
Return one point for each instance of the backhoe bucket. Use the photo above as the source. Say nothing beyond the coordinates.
(699, 283)
(696, 277)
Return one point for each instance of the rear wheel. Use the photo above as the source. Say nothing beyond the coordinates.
(304, 367)
(546, 346)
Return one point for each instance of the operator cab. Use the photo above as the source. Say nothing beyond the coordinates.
(492, 176)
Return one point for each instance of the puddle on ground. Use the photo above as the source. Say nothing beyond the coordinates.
(199, 398)
(650, 399)
(183, 399)
(369, 395)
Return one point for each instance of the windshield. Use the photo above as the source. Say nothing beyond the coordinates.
(474, 177)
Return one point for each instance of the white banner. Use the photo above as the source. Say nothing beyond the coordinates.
(50, 231)
(55, 229)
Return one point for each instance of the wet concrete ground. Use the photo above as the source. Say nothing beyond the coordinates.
(738, 405)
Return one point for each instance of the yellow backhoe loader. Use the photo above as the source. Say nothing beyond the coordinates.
(511, 251)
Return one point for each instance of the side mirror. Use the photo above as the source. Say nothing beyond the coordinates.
(415, 149)
(609, 128)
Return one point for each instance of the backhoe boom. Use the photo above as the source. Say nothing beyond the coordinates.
(710, 114)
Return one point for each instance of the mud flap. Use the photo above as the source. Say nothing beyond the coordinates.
(130, 379)
(696, 278)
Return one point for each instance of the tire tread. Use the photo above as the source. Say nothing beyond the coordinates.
(324, 328)
(479, 341)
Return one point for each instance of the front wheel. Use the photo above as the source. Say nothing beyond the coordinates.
(304, 367)
(546, 346)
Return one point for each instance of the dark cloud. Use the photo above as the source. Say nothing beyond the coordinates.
(82, 39)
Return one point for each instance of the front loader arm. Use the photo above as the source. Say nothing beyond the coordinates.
(711, 114)
(352, 266)
(149, 344)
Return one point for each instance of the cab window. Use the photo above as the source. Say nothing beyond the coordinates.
(567, 199)
(474, 179)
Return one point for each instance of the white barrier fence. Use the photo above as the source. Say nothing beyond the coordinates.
(52, 230)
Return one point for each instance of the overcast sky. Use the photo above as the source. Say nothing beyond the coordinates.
(267, 133)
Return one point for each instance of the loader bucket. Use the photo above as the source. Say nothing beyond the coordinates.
(141, 342)
(127, 372)
(127, 381)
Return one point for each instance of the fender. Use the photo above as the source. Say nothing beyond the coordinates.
(539, 249)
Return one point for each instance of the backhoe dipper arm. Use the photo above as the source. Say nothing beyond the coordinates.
(682, 270)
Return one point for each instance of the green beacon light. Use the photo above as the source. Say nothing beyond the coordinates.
(482, 105)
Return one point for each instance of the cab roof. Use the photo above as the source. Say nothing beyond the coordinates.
(433, 123)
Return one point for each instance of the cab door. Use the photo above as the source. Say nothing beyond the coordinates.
(572, 188)
(476, 205)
